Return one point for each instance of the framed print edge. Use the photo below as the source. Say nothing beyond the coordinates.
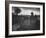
(7, 19)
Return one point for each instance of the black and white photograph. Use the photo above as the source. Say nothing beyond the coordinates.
(26, 18)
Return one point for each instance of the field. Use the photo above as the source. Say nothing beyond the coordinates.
(25, 22)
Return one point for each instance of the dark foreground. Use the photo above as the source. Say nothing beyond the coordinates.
(22, 23)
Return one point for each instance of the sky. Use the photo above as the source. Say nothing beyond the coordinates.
(27, 11)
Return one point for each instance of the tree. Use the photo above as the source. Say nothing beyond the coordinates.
(31, 13)
(17, 10)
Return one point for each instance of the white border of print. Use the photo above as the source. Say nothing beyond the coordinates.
(25, 32)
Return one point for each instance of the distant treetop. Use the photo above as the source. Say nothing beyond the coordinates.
(17, 10)
(31, 13)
